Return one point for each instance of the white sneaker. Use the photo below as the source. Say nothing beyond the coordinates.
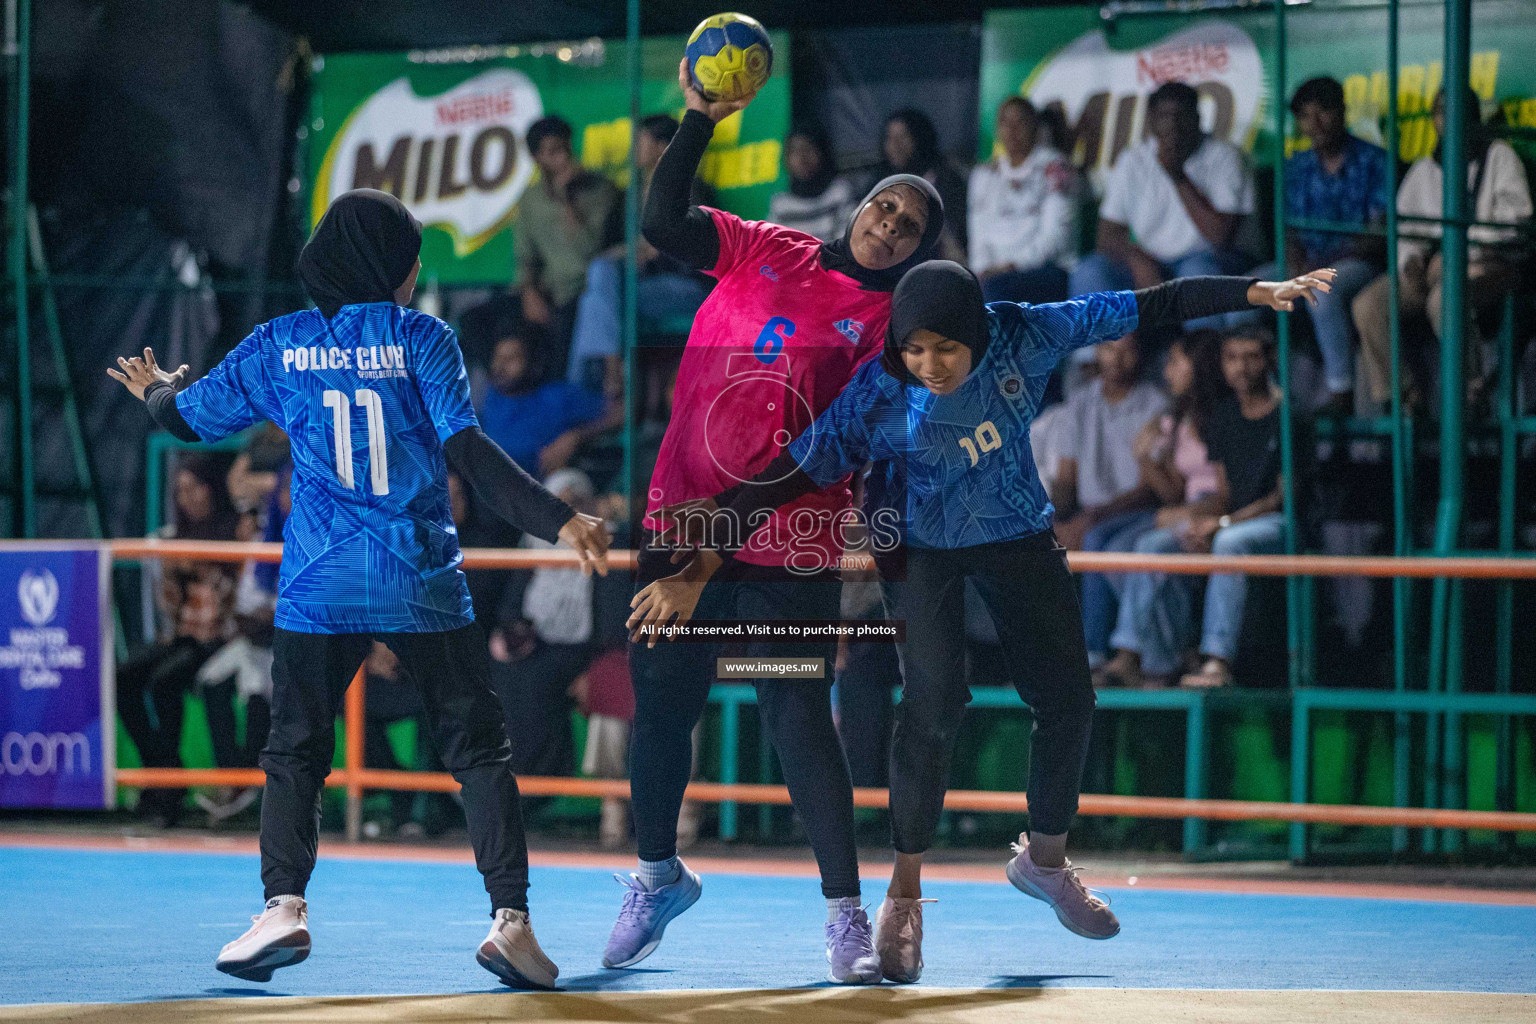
(512, 953)
(279, 937)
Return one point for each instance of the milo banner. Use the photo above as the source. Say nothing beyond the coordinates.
(445, 132)
(57, 714)
(1099, 72)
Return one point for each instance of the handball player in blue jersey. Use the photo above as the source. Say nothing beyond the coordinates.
(944, 415)
(375, 400)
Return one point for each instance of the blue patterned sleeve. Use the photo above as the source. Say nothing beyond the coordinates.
(441, 377)
(1043, 334)
(850, 432)
(232, 396)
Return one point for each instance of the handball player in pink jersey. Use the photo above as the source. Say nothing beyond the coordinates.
(787, 325)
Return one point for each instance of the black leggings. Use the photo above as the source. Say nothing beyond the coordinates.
(310, 673)
(672, 682)
(1029, 593)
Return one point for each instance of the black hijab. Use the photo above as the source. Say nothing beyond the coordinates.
(940, 296)
(223, 520)
(362, 250)
(925, 142)
(816, 135)
(838, 255)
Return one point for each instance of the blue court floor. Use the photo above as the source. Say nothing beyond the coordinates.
(120, 927)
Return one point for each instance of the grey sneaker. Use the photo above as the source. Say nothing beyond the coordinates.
(645, 914)
(851, 948)
(512, 953)
(1080, 909)
(899, 939)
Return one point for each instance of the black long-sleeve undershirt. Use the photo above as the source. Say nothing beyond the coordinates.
(160, 399)
(505, 487)
(1190, 298)
(685, 233)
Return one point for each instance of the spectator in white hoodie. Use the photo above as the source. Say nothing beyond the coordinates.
(1022, 213)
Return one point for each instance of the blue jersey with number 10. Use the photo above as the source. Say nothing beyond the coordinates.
(367, 398)
(957, 468)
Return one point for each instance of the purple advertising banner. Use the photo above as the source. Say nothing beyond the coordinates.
(57, 715)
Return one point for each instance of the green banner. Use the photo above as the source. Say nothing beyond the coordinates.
(1099, 72)
(444, 131)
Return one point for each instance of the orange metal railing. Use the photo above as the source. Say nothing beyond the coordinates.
(356, 779)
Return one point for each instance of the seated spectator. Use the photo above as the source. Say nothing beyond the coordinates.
(253, 475)
(240, 673)
(667, 290)
(1157, 610)
(564, 219)
(536, 659)
(1342, 179)
(1171, 204)
(537, 420)
(1102, 502)
(819, 201)
(909, 144)
(195, 600)
(1022, 210)
(1173, 464)
(605, 695)
(1497, 178)
(1098, 486)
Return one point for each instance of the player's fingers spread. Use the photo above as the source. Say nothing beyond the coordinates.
(116, 376)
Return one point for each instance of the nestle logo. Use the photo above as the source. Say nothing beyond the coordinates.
(768, 272)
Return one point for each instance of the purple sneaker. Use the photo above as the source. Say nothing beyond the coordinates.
(645, 915)
(851, 947)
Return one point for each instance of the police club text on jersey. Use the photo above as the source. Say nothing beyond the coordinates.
(372, 362)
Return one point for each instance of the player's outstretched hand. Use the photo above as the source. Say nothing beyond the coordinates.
(588, 536)
(1282, 295)
(139, 373)
(717, 110)
(671, 599)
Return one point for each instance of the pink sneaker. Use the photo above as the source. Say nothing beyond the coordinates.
(1077, 907)
(899, 939)
(512, 953)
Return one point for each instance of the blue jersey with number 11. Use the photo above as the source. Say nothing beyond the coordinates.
(367, 398)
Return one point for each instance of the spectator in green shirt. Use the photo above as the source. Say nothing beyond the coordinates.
(565, 218)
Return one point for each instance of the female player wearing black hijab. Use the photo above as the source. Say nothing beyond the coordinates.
(789, 322)
(945, 418)
(374, 397)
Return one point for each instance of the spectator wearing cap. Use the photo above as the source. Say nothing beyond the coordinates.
(1172, 204)
(1022, 213)
(564, 219)
(1341, 179)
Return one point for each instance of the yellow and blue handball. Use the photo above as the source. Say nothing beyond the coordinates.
(729, 56)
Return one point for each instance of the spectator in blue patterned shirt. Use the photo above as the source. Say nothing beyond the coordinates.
(1342, 179)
